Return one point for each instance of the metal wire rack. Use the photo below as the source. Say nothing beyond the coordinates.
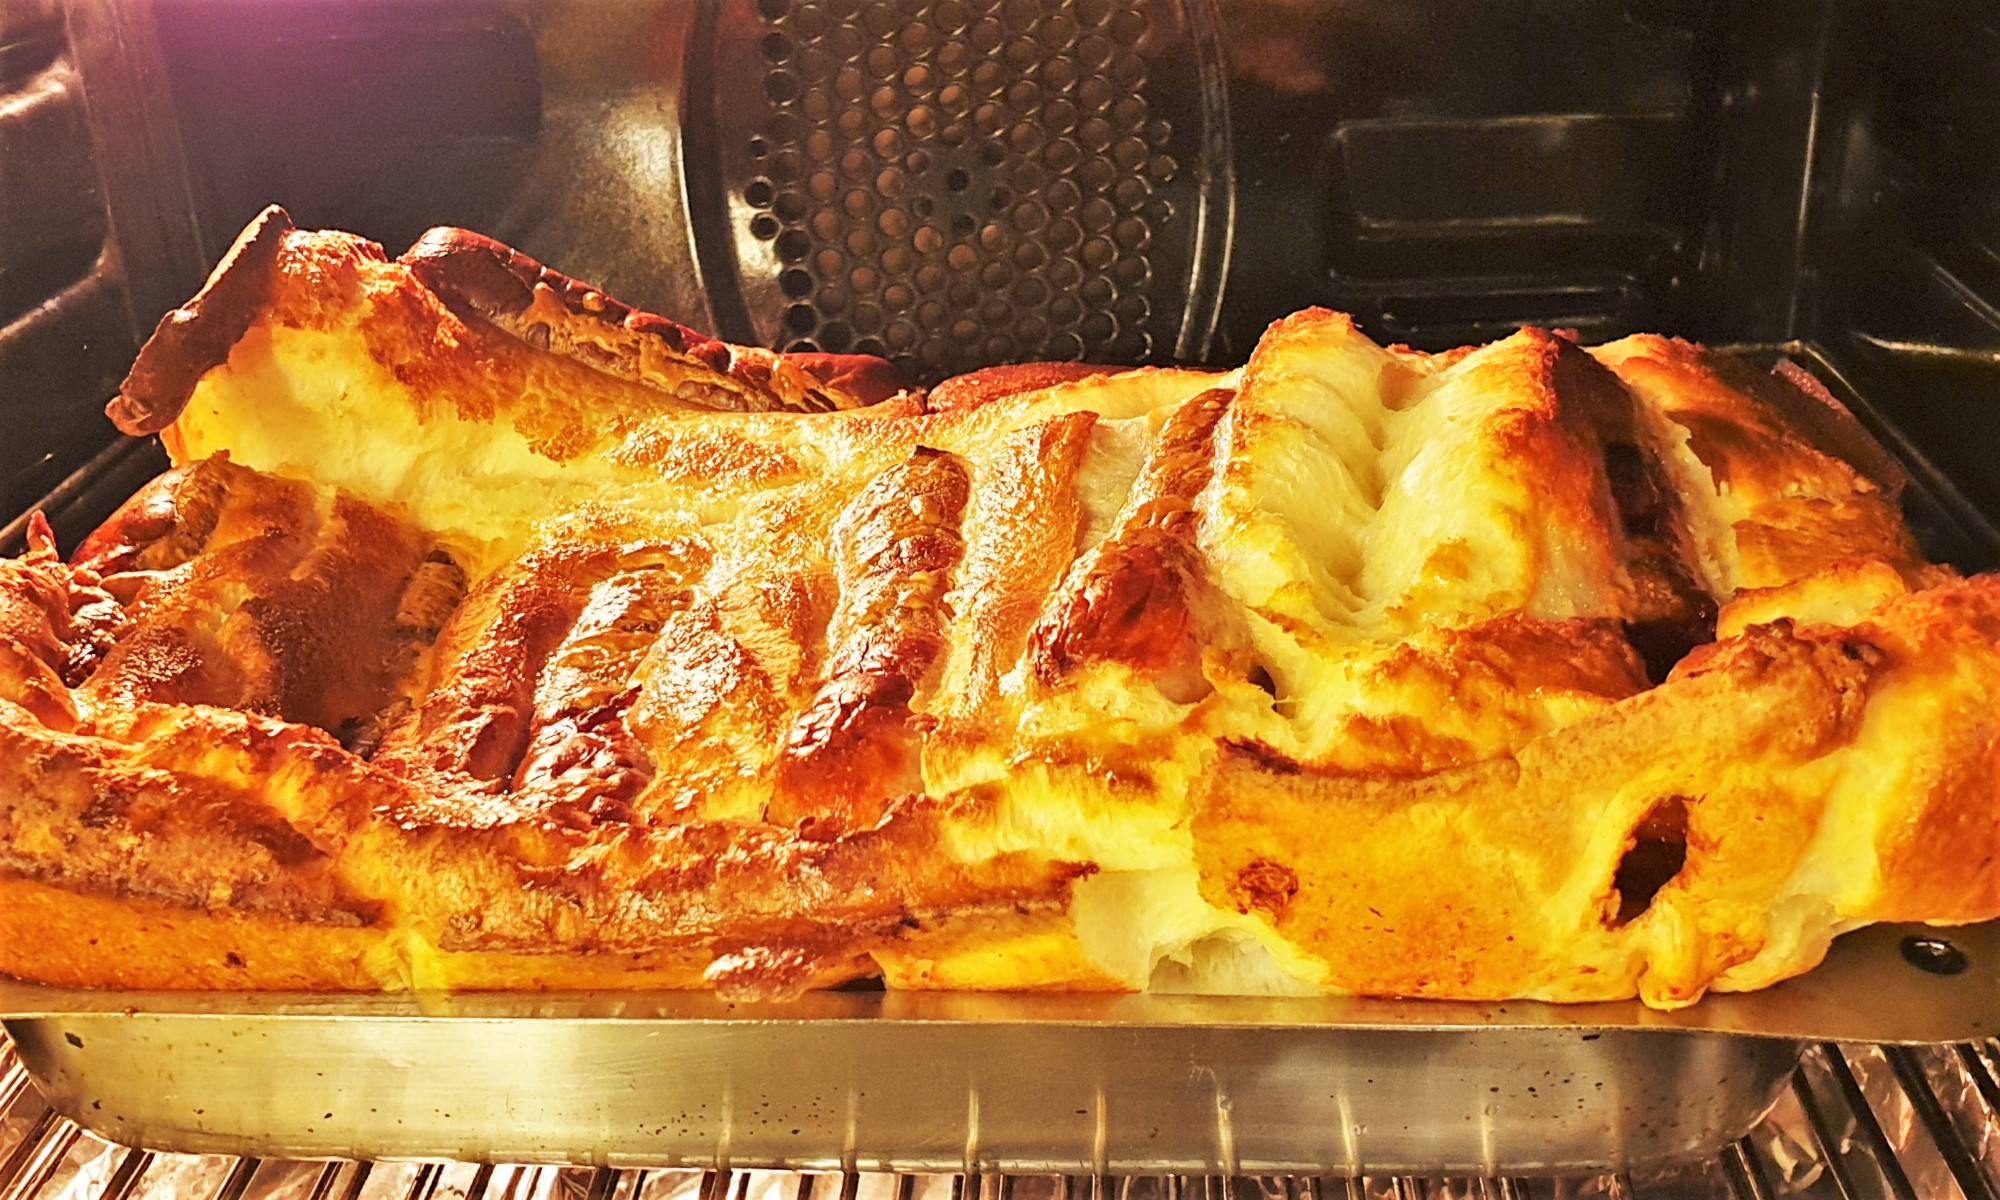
(1857, 1123)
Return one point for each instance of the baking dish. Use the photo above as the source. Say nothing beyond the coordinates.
(916, 1081)
(988, 1081)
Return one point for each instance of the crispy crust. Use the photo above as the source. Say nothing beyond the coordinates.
(1777, 479)
(484, 660)
(1135, 599)
(997, 383)
(69, 938)
(1800, 706)
(251, 826)
(486, 282)
(75, 939)
(36, 630)
(479, 278)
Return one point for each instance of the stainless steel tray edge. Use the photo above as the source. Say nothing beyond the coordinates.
(907, 1096)
(916, 1081)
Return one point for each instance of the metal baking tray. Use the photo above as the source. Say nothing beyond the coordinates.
(927, 1081)
(939, 1082)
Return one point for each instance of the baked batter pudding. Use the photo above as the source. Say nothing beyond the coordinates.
(489, 634)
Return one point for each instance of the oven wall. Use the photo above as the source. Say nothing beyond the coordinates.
(66, 335)
(1903, 245)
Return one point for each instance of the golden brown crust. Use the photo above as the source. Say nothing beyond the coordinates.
(36, 630)
(894, 548)
(1940, 858)
(487, 699)
(976, 388)
(482, 279)
(255, 593)
(1021, 533)
(477, 663)
(1740, 740)
(1804, 403)
(487, 284)
(68, 938)
(1757, 461)
(72, 938)
(1135, 598)
(243, 817)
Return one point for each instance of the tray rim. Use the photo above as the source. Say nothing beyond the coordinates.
(1256, 1100)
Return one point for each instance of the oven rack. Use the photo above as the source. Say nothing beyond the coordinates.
(1857, 1122)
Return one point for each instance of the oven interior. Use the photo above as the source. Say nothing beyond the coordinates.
(952, 183)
